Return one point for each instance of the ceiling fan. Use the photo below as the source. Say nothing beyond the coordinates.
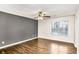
(41, 15)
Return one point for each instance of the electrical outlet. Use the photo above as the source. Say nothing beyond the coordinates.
(3, 42)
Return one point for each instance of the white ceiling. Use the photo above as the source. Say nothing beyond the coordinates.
(30, 10)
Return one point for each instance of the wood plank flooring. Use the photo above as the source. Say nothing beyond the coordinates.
(41, 46)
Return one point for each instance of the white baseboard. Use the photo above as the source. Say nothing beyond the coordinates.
(6, 46)
(17, 43)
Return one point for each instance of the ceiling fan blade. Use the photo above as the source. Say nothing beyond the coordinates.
(47, 16)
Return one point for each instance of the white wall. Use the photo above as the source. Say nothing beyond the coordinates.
(77, 31)
(44, 29)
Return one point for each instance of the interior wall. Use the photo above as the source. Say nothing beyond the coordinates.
(77, 30)
(44, 29)
(15, 28)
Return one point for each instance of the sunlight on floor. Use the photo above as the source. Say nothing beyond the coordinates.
(56, 49)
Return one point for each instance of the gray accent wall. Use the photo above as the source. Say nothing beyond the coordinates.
(15, 28)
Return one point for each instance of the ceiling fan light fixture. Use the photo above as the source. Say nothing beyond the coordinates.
(40, 18)
(41, 15)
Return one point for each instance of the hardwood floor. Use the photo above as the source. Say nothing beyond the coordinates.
(41, 46)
